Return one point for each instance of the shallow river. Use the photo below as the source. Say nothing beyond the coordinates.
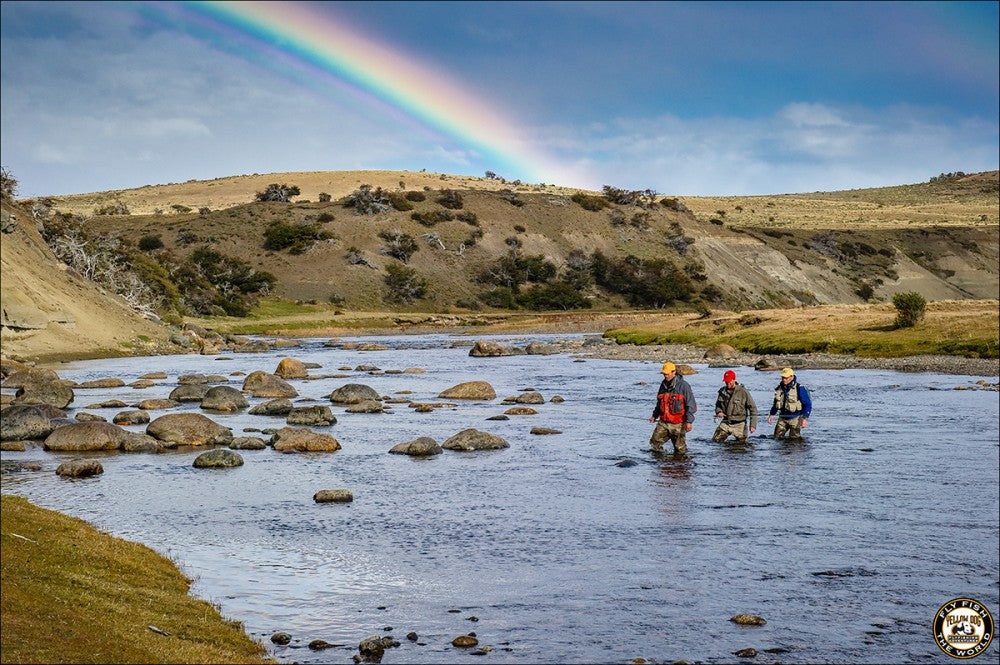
(847, 543)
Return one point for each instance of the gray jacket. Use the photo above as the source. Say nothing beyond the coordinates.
(736, 405)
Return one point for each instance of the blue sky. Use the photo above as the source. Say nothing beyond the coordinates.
(684, 98)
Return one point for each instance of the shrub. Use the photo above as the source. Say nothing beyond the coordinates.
(865, 291)
(325, 217)
(910, 308)
(404, 286)
(589, 201)
(400, 202)
(368, 201)
(519, 229)
(398, 245)
(275, 192)
(148, 243)
(8, 184)
(501, 297)
(415, 196)
(204, 210)
(553, 295)
(450, 199)
(180, 209)
(468, 217)
(116, 207)
(324, 198)
(643, 199)
(432, 217)
(296, 238)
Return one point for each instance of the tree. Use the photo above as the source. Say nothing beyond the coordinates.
(910, 309)
(8, 184)
(274, 192)
(403, 283)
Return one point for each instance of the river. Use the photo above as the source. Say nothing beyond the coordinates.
(577, 547)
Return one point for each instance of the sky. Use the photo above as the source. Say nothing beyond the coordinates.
(684, 98)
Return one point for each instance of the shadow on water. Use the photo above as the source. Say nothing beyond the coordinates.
(577, 547)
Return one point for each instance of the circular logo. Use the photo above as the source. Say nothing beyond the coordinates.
(963, 628)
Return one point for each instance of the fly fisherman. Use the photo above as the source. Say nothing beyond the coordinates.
(733, 406)
(674, 412)
(792, 405)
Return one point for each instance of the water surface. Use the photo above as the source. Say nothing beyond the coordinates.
(847, 543)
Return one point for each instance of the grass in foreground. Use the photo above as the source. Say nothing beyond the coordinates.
(955, 327)
(72, 594)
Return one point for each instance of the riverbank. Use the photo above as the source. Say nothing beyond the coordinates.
(73, 594)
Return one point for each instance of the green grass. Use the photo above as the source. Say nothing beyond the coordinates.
(72, 594)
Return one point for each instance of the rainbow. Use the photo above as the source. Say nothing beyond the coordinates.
(297, 37)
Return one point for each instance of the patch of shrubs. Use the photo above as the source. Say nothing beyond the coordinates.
(432, 217)
(415, 196)
(116, 207)
(403, 285)
(469, 218)
(368, 201)
(275, 192)
(398, 245)
(150, 242)
(450, 199)
(910, 308)
(589, 201)
(642, 198)
(400, 202)
(296, 238)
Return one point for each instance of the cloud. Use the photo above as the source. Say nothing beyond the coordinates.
(803, 147)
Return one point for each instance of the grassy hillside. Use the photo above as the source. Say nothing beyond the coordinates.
(939, 239)
(72, 594)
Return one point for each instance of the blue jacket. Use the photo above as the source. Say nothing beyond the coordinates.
(781, 396)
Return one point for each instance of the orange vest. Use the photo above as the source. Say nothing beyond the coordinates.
(671, 407)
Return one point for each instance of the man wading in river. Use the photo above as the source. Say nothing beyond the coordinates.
(674, 412)
(733, 406)
(792, 405)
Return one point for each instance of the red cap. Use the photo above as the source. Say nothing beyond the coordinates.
(730, 375)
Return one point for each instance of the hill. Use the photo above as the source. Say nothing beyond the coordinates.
(46, 307)
(939, 239)
(484, 244)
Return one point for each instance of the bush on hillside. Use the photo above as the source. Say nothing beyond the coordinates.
(116, 207)
(450, 199)
(589, 201)
(398, 245)
(910, 309)
(432, 217)
(400, 202)
(643, 198)
(553, 295)
(275, 192)
(368, 201)
(403, 284)
(296, 238)
(150, 242)
(8, 184)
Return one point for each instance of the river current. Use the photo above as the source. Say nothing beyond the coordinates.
(577, 547)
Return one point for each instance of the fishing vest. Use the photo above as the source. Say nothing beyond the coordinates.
(671, 407)
(788, 400)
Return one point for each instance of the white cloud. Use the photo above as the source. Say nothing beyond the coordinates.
(801, 148)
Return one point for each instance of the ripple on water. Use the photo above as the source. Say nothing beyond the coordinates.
(562, 552)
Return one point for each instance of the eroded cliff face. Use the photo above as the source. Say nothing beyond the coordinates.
(48, 312)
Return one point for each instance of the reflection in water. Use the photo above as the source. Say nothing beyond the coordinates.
(577, 547)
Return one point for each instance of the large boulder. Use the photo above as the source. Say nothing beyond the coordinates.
(225, 399)
(220, 458)
(423, 446)
(189, 392)
(188, 429)
(139, 442)
(262, 384)
(353, 393)
(23, 421)
(470, 390)
(290, 368)
(86, 436)
(25, 375)
(56, 393)
(80, 468)
(473, 439)
(318, 415)
(483, 349)
(281, 406)
(530, 397)
(300, 440)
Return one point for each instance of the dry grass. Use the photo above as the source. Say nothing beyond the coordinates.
(963, 328)
(970, 201)
(72, 594)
